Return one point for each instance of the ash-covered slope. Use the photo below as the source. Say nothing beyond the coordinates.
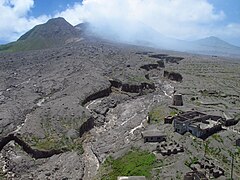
(54, 33)
(143, 35)
(57, 29)
(47, 102)
(214, 42)
(214, 46)
(64, 111)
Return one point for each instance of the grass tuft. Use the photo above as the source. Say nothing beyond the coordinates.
(134, 163)
(157, 114)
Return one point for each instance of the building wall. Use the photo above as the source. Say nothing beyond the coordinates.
(154, 139)
(183, 125)
(196, 131)
(238, 142)
(180, 127)
(192, 115)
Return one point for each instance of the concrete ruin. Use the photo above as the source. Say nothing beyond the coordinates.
(208, 166)
(169, 148)
(238, 142)
(195, 175)
(153, 136)
(198, 124)
(168, 120)
(177, 100)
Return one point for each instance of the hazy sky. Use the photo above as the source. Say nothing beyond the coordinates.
(181, 19)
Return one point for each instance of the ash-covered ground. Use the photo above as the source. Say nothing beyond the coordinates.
(63, 111)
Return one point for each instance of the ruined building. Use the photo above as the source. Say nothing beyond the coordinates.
(153, 136)
(207, 166)
(168, 120)
(198, 124)
(238, 142)
(177, 100)
(195, 175)
(169, 148)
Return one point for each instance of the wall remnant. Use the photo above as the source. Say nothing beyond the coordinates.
(177, 100)
(195, 175)
(153, 136)
(198, 124)
(169, 148)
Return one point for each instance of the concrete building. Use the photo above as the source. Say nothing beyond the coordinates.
(195, 175)
(198, 124)
(153, 136)
(208, 167)
(168, 120)
(177, 100)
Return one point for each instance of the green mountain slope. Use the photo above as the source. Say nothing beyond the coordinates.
(54, 33)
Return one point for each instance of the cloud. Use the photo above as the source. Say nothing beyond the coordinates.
(183, 19)
(15, 20)
(74, 15)
(232, 29)
(180, 19)
(126, 19)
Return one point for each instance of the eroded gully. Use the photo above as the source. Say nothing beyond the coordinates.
(122, 127)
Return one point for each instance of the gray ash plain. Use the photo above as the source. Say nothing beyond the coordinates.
(89, 100)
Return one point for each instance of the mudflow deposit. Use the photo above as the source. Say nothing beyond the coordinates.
(77, 111)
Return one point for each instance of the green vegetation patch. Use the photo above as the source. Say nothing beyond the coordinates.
(134, 163)
(54, 142)
(20, 46)
(56, 139)
(192, 160)
(61, 143)
(174, 113)
(138, 79)
(26, 45)
(217, 137)
(157, 114)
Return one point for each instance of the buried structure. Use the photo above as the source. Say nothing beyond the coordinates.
(208, 167)
(169, 148)
(198, 175)
(153, 136)
(177, 100)
(238, 142)
(199, 124)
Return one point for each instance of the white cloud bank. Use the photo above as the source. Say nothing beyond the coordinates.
(181, 19)
(14, 20)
